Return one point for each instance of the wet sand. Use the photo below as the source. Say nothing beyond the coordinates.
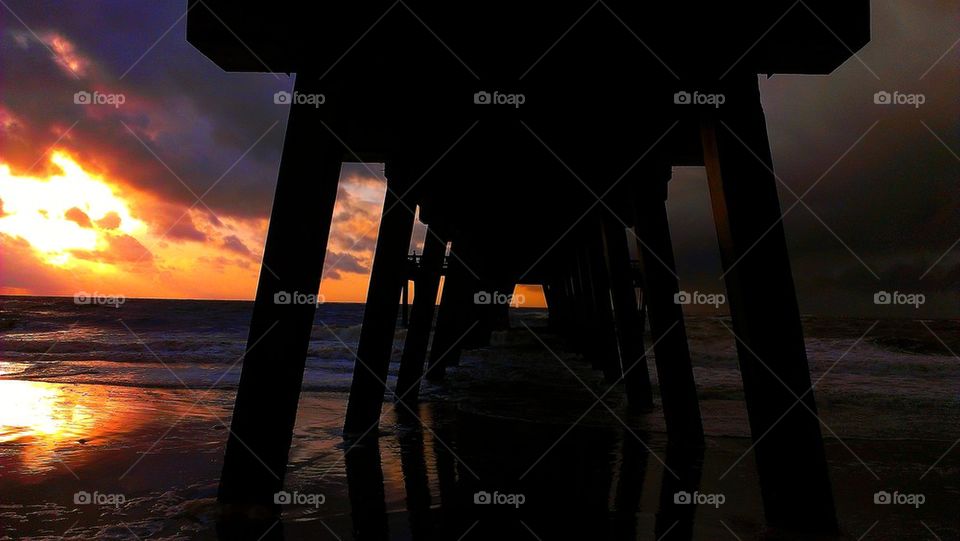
(610, 476)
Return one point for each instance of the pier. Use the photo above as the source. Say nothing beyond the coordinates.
(606, 112)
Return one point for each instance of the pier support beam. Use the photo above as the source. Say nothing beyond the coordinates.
(627, 316)
(581, 315)
(257, 449)
(678, 391)
(604, 333)
(456, 308)
(424, 304)
(405, 304)
(553, 301)
(380, 312)
(776, 379)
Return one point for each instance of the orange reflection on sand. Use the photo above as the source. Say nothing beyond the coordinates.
(39, 421)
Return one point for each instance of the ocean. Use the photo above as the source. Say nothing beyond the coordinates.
(198, 344)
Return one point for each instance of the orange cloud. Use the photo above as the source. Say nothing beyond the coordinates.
(110, 220)
(64, 52)
(80, 228)
(76, 230)
(79, 217)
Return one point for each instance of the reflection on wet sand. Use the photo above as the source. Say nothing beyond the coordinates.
(629, 487)
(415, 477)
(46, 427)
(40, 419)
(590, 485)
(684, 467)
(367, 497)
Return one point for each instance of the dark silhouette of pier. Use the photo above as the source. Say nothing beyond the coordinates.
(614, 94)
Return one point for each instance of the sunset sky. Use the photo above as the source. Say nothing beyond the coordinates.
(162, 192)
(104, 197)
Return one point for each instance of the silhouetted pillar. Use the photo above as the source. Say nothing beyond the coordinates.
(483, 313)
(500, 313)
(552, 294)
(379, 314)
(265, 410)
(565, 296)
(569, 296)
(586, 341)
(582, 315)
(629, 322)
(678, 391)
(604, 332)
(773, 362)
(574, 313)
(424, 303)
(456, 305)
(405, 303)
(556, 295)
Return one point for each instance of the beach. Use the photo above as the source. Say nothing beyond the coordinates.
(130, 407)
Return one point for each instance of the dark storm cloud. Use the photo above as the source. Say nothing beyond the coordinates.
(234, 244)
(185, 229)
(337, 263)
(889, 199)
